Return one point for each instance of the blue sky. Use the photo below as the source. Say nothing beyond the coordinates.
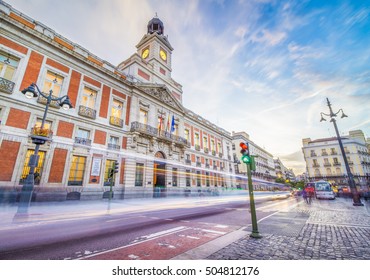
(260, 66)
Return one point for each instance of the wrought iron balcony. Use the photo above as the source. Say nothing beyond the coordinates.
(213, 153)
(116, 121)
(198, 164)
(113, 146)
(6, 85)
(206, 150)
(220, 155)
(43, 100)
(327, 164)
(82, 141)
(197, 147)
(215, 167)
(87, 112)
(207, 165)
(315, 165)
(336, 163)
(152, 131)
(188, 161)
(324, 153)
(313, 154)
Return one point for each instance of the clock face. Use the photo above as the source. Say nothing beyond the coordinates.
(163, 55)
(145, 53)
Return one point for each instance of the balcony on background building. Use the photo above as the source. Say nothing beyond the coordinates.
(82, 141)
(148, 130)
(198, 164)
(113, 146)
(220, 155)
(197, 147)
(213, 153)
(350, 162)
(313, 154)
(188, 161)
(207, 165)
(215, 167)
(333, 153)
(206, 150)
(315, 165)
(116, 121)
(327, 164)
(336, 164)
(324, 153)
(6, 85)
(87, 112)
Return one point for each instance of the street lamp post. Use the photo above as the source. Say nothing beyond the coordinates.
(27, 189)
(351, 182)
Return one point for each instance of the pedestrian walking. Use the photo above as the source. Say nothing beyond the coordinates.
(304, 195)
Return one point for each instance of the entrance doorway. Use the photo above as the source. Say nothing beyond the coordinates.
(159, 176)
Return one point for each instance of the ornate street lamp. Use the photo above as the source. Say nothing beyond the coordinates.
(351, 182)
(39, 138)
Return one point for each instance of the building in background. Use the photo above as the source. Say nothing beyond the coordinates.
(324, 159)
(265, 167)
(283, 172)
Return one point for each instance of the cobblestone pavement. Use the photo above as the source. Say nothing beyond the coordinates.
(323, 230)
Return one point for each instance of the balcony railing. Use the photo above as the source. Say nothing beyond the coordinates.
(206, 150)
(313, 155)
(113, 146)
(116, 121)
(198, 164)
(213, 153)
(43, 100)
(336, 163)
(87, 112)
(324, 153)
(207, 165)
(215, 167)
(197, 147)
(327, 164)
(152, 131)
(6, 85)
(188, 161)
(220, 155)
(82, 141)
(333, 153)
(315, 165)
(350, 162)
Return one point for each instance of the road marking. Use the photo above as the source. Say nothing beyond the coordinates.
(149, 237)
(214, 231)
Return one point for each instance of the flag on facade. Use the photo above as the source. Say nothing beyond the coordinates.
(168, 123)
(160, 124)
(173, 124)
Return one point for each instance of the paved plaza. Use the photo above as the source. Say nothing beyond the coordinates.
(323, 230)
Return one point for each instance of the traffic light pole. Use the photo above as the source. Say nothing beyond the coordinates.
(255, 233)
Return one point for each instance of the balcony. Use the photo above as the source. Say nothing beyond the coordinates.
(113, 146)
(327, 164)
(313, 155)
(198, 164)
(315, 165)
(336, 164)
(215, 167)
(82, 141)
(53, 103)
(148, 130)
(324, 153)
(6, 86)
(206, 150)
(87, 112)
(333, 153)
(116, 121)
(350, 162)
(213, 153)
(220, 155)
(207, 165)
(197, 147)
(188, 161)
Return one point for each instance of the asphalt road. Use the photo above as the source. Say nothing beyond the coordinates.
(140, 230)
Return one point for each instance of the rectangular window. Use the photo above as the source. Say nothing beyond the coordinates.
(38, 169)
(114, 143)
(198, 179)
(83, 137)
(213, 147)
(187, 177)
(53, 82)
(77, 170)
(187, 135)
(174, 177)
(205, 142)
(117, 108)
(207, 179)
(89, 97)
(196, 139)
(143, 116)
(139, 175)
(8, 66)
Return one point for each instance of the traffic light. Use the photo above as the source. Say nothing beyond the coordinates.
(115, 167)
(245, 152)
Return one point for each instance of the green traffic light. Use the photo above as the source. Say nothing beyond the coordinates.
(246, 159)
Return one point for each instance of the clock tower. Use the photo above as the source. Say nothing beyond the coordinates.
(152, 62)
